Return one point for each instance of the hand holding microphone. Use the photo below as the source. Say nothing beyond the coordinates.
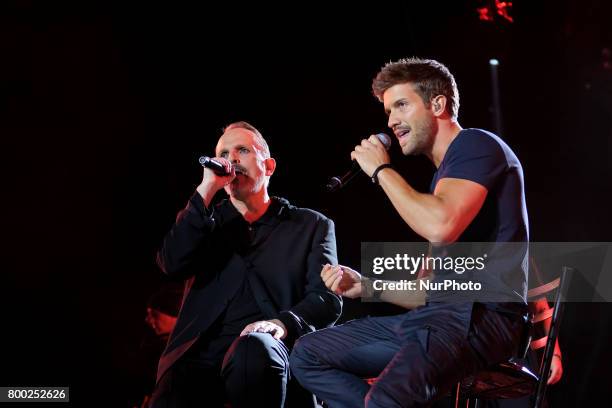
(372, 153)
(219, 166)
(218, 172)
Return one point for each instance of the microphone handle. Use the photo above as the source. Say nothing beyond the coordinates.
(216, 167)
(336, 183)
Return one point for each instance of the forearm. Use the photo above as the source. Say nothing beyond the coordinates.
(207, 193)
(424, 213)
(181, 250)
(316, 311)
(319, 307)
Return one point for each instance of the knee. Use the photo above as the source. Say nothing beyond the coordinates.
(254, 365)
(257, 352)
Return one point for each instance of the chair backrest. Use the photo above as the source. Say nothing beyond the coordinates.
(555, 314)
(514, 379)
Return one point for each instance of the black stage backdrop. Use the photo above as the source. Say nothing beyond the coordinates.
(105, 108)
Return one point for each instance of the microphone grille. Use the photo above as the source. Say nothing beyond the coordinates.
(385, 139)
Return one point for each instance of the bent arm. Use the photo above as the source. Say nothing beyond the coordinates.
(440, 217)
(183, 248)
(319, 307)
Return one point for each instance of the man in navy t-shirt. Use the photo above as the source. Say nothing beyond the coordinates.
(477, 196)
(500, 227)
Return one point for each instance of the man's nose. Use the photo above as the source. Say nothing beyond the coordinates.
(234, 158)
(392, 122)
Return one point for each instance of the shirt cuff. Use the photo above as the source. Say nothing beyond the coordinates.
(293, 326)
(201, 215)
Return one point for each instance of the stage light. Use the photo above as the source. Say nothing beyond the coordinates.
(495, 10)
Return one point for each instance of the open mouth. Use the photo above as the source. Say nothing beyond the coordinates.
(402, 134)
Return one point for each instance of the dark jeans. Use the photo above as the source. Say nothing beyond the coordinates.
(255, 372)
(418, 356)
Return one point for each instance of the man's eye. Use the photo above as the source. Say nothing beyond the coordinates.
(244, 150)
(223, 155)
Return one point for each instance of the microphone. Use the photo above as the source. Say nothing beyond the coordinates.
(216, 167)
(336, 183)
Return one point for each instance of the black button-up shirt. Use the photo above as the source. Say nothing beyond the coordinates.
(279, 260)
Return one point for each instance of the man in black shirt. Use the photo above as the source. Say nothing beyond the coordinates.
(251, 267)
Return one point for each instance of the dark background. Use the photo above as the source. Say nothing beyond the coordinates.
(105, 108)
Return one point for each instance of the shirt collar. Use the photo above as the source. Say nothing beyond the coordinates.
(276, 211)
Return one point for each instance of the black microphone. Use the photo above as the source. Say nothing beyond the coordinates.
(216, 167)
(336, 183)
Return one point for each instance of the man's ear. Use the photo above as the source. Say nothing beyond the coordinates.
(270, 164)
(438, 105)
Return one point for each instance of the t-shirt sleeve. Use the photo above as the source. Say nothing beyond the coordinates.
(476, 157)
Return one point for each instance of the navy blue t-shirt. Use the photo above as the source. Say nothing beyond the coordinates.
(482, 157)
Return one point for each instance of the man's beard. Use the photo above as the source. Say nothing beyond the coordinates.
(422, 136)
(243, 188)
